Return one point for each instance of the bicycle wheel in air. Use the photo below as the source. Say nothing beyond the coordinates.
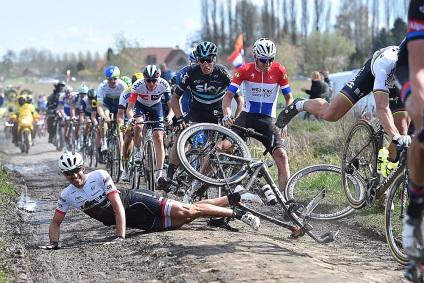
(395, 211)
(150, 166)
(358, 160)
(115, 159)
(324, 181)
(219, 167)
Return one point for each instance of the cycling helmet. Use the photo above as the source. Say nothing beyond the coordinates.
(264, 48)
(21, 99)
(91, 93)
(59, 83)
(68, 88)
(69, 161)
(206, 49)
(192, 57)
(151, 72)
(112, 72)
(29, 98)
(127, 80)
(136, 76)
(83, 89)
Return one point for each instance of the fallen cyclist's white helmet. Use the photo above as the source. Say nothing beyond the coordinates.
(264, 48)
(69, 161)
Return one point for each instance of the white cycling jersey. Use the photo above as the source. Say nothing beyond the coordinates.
(149, 98)
(125, 95)
(383, 65)
(106, 93)
(99, 185)
(66, 101)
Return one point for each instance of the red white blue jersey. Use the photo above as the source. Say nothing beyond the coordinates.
(98, 186)
(140, 93)
(261, 89)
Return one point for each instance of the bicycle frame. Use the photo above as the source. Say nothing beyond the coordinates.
(291, 208)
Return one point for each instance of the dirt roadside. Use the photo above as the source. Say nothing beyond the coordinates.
(195, 253)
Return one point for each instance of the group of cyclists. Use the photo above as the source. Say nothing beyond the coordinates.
(204, 91)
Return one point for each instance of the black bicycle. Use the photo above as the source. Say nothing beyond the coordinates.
(228, 168)
(359, 160)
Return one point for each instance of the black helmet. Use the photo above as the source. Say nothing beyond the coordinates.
(91, 93)
(206, 49)
(59, 83)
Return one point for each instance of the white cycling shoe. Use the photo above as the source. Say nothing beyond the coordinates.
(253, 221)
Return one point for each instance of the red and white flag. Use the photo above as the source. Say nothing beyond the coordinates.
(237, 57)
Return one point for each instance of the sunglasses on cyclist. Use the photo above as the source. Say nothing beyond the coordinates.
(151, 80)
(266, 60)
(71, 172)
(112, 79)
(203, 60)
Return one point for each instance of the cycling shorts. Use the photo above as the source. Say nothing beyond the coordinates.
(197, 115)
(264, 125)
(154, 112)
(113, 108)
(363, 84)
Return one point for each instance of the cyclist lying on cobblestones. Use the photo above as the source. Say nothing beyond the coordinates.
(97, 196)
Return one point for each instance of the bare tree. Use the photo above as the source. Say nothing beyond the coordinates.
(205, 19)
(293, 21)
(304, 18)
(318, 8)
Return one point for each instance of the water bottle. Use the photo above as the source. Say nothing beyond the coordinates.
(382, 160)
(390, 166)
(269, 194)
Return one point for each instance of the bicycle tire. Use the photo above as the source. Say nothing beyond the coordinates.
(115, 159)
(359, 158)
(395, 210)
(27, 140)
(60, 139)
(225, 168)
(306, 183)
(94, 150)
(150, 165)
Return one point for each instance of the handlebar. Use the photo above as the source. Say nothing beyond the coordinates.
(399, 151)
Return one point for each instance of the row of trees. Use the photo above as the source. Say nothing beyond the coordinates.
(308, 33)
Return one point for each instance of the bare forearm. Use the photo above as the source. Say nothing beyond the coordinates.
(54, 232)
(386, 120)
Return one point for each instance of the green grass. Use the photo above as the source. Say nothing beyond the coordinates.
(3, 276)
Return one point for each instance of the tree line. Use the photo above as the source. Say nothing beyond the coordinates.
(309, 35)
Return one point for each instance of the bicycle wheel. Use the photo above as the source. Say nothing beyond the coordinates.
(222, 167)
(325, 181)
(115, 158)
(150, 165)
(94, 151)
(60, 140)
(395, 210)
(358, 160)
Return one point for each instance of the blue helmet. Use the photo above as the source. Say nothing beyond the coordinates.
(206, 49)
(192, 57)
(112, 72)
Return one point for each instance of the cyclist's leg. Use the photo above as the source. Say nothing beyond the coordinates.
(160, 150)
(412, 59)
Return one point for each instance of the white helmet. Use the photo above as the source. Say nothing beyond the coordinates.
(69, 161)
(264, 48)
(83, 89)
(68, 88)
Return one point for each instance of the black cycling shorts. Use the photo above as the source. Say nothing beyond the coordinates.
(264, 125)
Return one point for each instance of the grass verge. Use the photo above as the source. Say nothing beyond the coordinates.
(7, 195)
